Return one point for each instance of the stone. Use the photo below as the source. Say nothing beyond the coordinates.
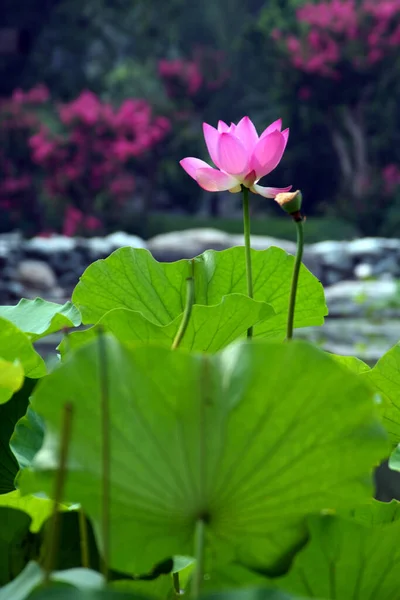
(262, 242)
(332, 254)
(120, 239)
(187, 244)
(354, 298)
(389, 265)
(363, 271)
(47, 246)
(372, 246)
(354, 337)
(36, 274)
(98, 247)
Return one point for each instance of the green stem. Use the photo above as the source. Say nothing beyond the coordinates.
(176, 582)
(295, 277)
(83, 536)
(54, 525)
(105, 425)
(198, 575)
(247, 247)
(187, 311)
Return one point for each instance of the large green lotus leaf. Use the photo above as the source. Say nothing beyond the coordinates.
(251, 594)
(27, 438)
(253, 438)
(83, 594)
(131, 278)
(33, 575)
(39, 509)
(351, 362)
(162, 587)
(160, 582)
(10, 413)
(39, 318)
(210, 328)
(73, 594)
(385, 379)
(347, 560)
(16, 345)
(11, 379)
(16, 543)
(376, 512)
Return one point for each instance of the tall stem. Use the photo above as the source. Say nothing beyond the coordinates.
(199, 556)
(247, 247)
(295, 278)
(54, 525)
(83, 536)
(105, 430)
(188, 308)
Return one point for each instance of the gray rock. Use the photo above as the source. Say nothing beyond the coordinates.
(363, 271)
(353, 298)
(47, 246)
(98, 247)
(372, 246)
(37, 275)
(388, 265)
(354, 337)
(119, 239)
(262, 242)
(332, 254)
(187, 244)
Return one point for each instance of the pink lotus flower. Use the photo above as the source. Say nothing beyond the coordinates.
(241, 157)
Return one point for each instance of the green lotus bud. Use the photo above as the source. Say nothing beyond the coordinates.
(290, 202)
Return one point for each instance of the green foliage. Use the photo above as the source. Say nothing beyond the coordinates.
(16, 345)
(39, 318)
(11, 379)
(159, 450)
(384, 379)
(10, 413)
(210, 328)
(131, 278)
(239, 467)
(346, 560)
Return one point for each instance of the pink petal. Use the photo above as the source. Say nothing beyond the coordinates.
(211, 135)
(232, 155)
(223, 127)
(285, 134)
(213, 180)
(268, 153)
(275, 126)
(191, 165)
(269, 192)
(247, 134)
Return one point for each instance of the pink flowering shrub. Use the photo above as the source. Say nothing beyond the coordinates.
(196, 77)
(334, 33)
(89, 165)
(18, 120)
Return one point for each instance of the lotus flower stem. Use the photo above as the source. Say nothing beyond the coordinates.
(198, 575)
(83, 536)
(54, 525)
(247, 247)
(105, 431)
(295, 277)
(188, 308)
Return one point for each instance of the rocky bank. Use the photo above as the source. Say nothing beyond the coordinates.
(360, 276)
